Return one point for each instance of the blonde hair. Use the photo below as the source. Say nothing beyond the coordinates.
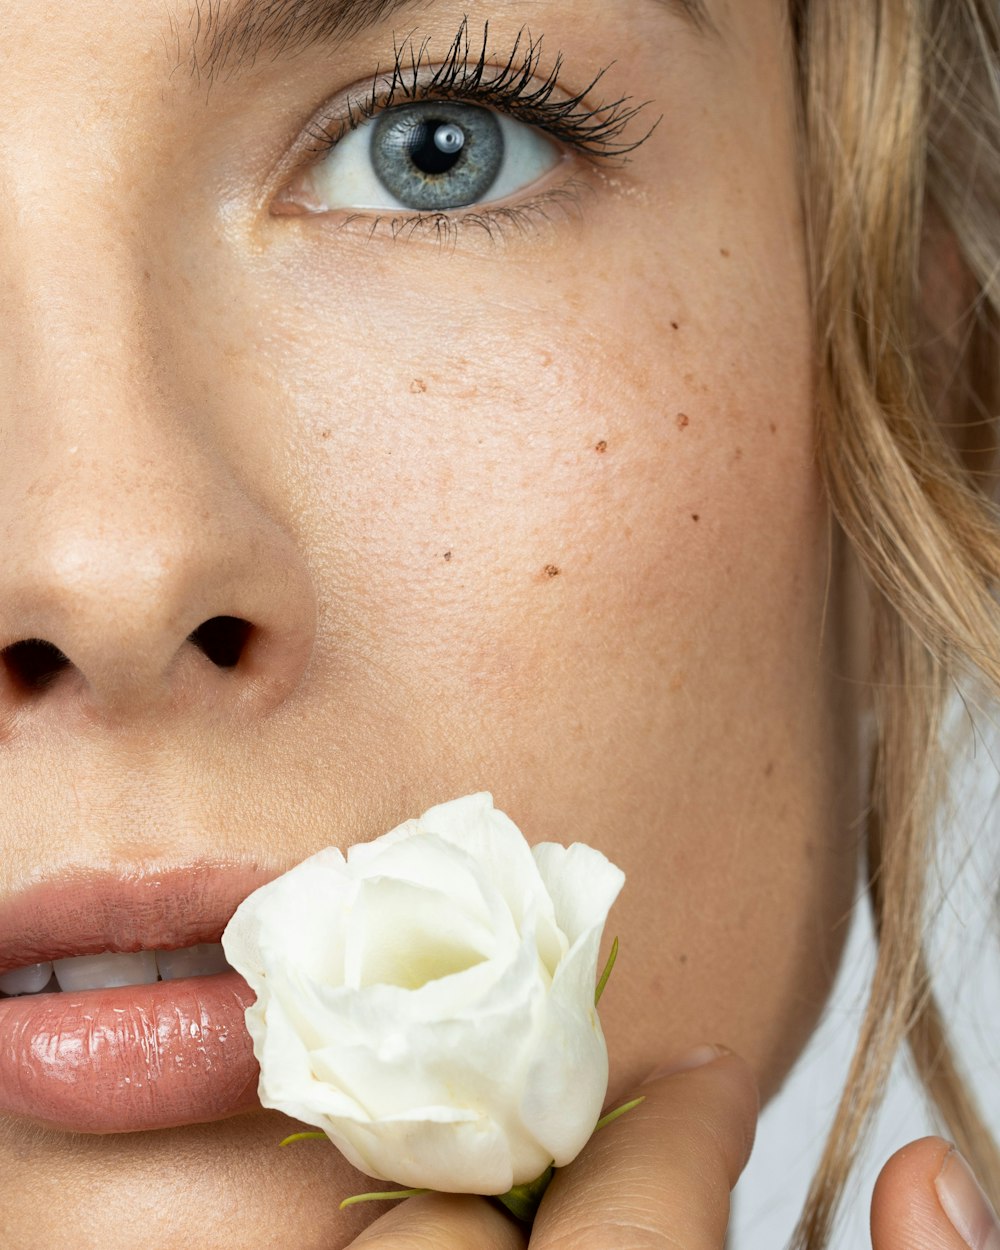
(900, 132)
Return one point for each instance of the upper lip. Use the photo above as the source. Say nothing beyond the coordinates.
(88, 912)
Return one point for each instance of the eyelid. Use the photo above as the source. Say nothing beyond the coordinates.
(515, 85)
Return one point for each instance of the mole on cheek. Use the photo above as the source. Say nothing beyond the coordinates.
(552, 570)
(601, 447)
(683, 421)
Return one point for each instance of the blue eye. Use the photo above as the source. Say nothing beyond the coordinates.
(432, 156)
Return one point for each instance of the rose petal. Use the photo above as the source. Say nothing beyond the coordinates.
(495, 844)
(426, 860)
(295, 920)
(581, 882)
(574, 1059)
(407, 935)
(471, 1157)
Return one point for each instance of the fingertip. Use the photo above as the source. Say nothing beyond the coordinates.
(730, 1078)
(916, 1162)
(699, 1057)
(905, 1209)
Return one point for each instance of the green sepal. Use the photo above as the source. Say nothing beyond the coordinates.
(606, 973)
(522, 1201)
(303, 1137)
(613, 1115)
(389, 1196)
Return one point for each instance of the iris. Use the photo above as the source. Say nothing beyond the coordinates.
(437, 156)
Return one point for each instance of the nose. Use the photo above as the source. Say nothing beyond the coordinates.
(141, 575)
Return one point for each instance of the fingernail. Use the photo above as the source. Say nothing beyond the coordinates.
(965, 1204)
(693, 1059)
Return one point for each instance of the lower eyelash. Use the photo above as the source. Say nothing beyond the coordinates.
(496, 223)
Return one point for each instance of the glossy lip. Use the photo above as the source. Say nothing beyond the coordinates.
(139, 1057)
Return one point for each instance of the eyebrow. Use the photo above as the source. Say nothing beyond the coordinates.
(228, 40)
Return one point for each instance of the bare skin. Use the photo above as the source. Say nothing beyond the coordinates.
(532, 510)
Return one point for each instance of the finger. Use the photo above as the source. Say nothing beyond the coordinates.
(926, 1198)
(442, 1222)
(661, 1175)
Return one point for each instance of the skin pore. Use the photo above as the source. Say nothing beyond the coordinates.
(531, 509)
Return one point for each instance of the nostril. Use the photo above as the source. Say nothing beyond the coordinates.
(223, 639)
(34, 663)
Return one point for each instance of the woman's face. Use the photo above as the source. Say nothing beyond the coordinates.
(524, 500)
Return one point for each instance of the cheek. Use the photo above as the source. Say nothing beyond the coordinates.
(569, 545)
(503, 476)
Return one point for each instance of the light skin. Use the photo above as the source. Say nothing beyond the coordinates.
(536, 513)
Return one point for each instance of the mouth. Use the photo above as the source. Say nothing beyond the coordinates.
(118, 1012)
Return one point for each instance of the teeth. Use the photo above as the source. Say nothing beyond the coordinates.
(100, 972)
(26, 980)
(193, 961)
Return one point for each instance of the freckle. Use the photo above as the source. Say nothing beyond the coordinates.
(683, 421)
(674, 325)
(683, 958)
(326, 433)
(724, 251)
(774, 428)
(418, 387)
(551, 570)
(769, 770)
(447, 556)
(601, 447)
(737, 455)
(695, 517)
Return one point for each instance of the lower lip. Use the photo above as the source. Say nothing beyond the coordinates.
(123, 1060)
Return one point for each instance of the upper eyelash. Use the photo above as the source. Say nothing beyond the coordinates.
(596, 131)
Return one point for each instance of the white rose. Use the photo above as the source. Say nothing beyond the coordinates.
(429, 1001)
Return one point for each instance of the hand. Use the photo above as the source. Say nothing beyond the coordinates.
(659, 1176)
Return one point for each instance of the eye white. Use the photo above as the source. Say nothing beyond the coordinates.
(346, 178)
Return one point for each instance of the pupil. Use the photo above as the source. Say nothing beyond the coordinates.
(435, 147)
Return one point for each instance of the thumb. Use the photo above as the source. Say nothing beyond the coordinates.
(661, 1174)
(926, 1198)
